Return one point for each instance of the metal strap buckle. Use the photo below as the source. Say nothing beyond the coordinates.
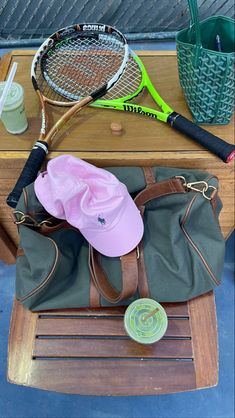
(137, 252)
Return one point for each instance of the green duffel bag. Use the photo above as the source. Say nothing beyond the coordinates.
(180, 256)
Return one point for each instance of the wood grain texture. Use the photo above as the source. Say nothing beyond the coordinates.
(54, 355)
(205, 344)
(7, 248)
(144, 141)
(110, 348)
(90, 326)
(105, 361)
(20, 343)
(179, 309)
(116, 378)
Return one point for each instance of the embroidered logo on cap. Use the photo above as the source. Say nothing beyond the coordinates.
(101, 220)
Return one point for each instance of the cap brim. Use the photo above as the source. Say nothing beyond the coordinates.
(123, 237)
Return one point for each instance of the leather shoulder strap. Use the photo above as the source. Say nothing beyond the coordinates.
(163, 188)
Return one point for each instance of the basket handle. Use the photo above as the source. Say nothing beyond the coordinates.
(195, 25)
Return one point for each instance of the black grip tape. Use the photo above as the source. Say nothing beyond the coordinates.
(99, 93)
(211, 142)
(29, 172)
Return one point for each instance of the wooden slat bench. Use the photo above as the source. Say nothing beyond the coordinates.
(87, 351)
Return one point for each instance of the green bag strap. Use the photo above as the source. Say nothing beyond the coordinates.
(195, 25)
(195, 22)
(129, 262)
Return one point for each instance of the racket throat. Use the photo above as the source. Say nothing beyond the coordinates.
(172, 118)
(41, 144)
(99, 93)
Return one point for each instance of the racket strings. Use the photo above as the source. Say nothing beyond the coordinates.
(48, 92)
(76, 67)
(130, 83)
(127, 86)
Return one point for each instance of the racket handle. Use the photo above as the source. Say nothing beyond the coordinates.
(29, 172)
(213, 143)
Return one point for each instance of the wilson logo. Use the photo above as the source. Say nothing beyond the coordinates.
(138, 109)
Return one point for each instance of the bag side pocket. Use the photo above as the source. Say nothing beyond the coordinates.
(36, 265)
(205, 243)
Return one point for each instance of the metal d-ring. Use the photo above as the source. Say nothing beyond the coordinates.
(209, 187)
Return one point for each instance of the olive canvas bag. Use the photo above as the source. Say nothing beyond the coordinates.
(180, 256)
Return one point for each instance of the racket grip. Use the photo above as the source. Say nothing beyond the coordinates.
(29, 172)
(213, 143)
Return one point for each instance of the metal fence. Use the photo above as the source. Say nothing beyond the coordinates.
(27, 22)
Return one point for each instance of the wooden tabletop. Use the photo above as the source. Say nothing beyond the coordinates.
(89, 133)
(144, 141)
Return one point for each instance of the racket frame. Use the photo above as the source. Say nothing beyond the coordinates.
(145, 83)
(41, 146)
(78, 105)
(218, 146)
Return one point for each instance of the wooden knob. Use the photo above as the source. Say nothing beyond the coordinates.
(116, 128)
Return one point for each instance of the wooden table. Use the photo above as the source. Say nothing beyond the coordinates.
(144, 141)
(66, 351)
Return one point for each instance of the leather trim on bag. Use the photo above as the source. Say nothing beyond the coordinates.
(143, 286)
(214, 201)
(20, 252)
(45, 229)
(94, 295)
(148, 174)
(25, 198)
(215, 280)
(46, 280)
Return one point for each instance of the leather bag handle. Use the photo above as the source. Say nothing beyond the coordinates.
(162, 188)
(129, 262)
(129, 276)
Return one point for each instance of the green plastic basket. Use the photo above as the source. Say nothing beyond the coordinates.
(206, 58)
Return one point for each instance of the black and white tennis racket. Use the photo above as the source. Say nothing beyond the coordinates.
(79, 63)
(133, 81)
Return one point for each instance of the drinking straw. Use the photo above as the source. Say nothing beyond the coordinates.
(7, 86)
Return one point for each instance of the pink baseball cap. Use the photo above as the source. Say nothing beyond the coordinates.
(94, 201)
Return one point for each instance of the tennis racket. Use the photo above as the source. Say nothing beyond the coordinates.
(77, 64)
(133, 81)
